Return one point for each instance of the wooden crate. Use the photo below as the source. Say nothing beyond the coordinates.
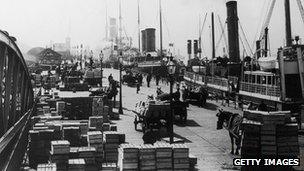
(47, 167)
(60, 147)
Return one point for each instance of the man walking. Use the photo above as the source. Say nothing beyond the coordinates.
(148, 80)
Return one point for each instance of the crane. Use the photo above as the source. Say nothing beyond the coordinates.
(267, 21)
(264, 33)
(301, 9)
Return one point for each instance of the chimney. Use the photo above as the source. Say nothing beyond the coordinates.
(233, 37)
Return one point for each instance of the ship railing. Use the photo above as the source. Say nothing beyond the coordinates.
(217, 81)
(269, 90)
(195, 77)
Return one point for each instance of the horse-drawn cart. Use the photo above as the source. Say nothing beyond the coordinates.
(157, 115)
(151, 116)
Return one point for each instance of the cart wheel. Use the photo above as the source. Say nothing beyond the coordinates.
(135, 123)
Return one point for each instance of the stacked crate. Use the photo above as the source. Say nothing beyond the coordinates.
(113, 128)
(251, 142)
(47, 167)
(180, 157)
(95, 139)
(60, 153)
(84, 128)
(74, 154)
(72, 135)
(76, 165)
(287, 140)
(88, 154)
(46, 109)
(97, 106)
(147, 159)
(106, 126)
(278, 134)
(39, 146)
(95, 122)
(128, 157)
(111, 144)
(163, 156)
(106, 113)
(60, 107)
(109, 167)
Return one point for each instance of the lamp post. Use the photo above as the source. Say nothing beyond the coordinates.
(120, 111)
(101, 71)
(171, 70)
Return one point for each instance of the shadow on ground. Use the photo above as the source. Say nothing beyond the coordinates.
(190, 123)
(210, 106)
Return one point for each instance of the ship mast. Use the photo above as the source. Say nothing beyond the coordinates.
(138, 22)
(213, 42)
(160, 29)
(120, 26)
(107, 21)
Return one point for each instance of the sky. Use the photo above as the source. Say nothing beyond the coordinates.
(38, 22)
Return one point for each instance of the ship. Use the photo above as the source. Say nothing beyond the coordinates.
(273, 80)
(148, 59)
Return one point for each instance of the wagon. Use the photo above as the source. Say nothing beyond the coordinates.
(151, 116)
(130, 80)
(157, 115)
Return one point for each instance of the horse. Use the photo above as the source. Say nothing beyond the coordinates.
(200, 95)
(233, 122)
(162, 96)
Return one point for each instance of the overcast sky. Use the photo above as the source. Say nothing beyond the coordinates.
(37, 22)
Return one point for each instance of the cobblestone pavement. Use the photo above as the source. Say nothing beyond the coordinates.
(210, 146)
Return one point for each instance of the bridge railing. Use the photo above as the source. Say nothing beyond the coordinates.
(16, 102)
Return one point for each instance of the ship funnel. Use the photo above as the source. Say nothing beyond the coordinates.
(195, 47)
(143, 41)
(233, 37)
(150, 39)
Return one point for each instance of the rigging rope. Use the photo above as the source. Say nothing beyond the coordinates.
(259, 26)
(201, 30)
(245, 37)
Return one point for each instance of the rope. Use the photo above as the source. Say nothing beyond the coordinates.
(259, 26)
(243, 45)
(245, 37)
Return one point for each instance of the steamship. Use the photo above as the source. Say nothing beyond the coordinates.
(149, 60)
(275, 81)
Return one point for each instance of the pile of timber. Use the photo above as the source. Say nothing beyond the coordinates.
(269, 134)
(160, 156)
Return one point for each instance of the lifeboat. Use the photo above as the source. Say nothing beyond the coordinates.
(268, 63)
